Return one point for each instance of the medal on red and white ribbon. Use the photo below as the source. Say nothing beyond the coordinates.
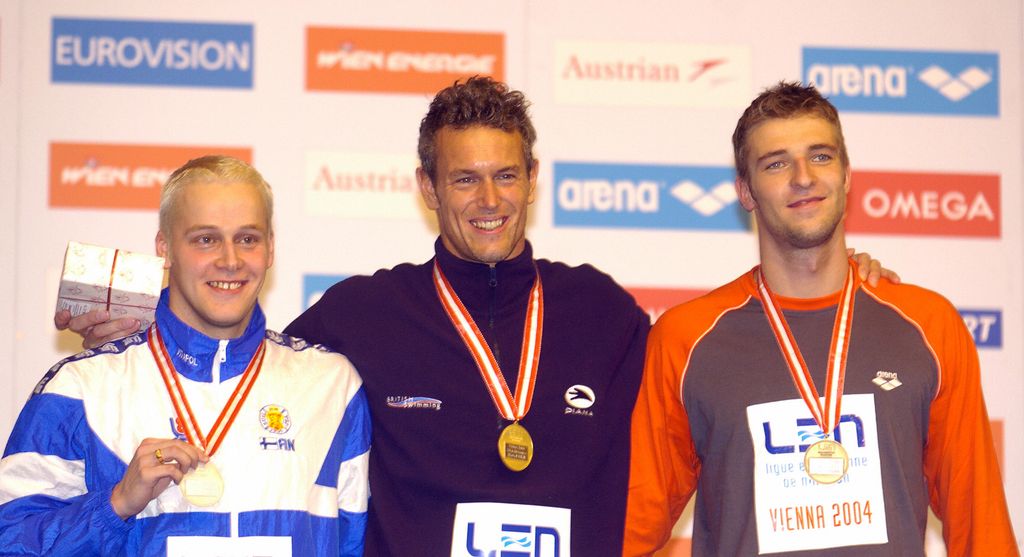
(825, 461)
(515, 446)
(203, 486)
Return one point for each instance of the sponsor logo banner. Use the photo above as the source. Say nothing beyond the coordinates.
(646, 196)
(314, 286)
(109, 176)
(652, 74)
(924, 204)
(118, 51)
(909, 81)
(656, 301)
(985, 325)
(398, 61)
(362, 186)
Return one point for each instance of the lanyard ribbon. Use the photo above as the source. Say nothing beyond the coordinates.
(827, 415)
(511, 408)
(220, 428)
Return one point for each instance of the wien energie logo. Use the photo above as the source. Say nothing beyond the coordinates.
(109, 176)
(398, 61)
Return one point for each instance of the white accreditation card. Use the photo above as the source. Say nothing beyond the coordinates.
(501, 528)
(793, 511)
(218, 546)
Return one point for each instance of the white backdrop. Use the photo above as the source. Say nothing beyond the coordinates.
(641, 94)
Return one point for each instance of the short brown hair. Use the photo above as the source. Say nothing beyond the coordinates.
(479, 101)
(784, 100)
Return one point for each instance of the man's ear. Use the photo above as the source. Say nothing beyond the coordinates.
(533, 182)
(427, 189)
(746, 196)
(163, 249)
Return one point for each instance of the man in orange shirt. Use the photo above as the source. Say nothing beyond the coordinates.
(811, 412)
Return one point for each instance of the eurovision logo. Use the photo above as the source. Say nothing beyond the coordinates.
(924, 204)
(111, 176)
(646, 196)
(908, 81)
(398, 61)
(652, 74)
(116, 51)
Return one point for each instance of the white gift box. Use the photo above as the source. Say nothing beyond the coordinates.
(124, 283)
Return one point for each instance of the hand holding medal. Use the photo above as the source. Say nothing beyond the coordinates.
(156, 463)
(202, 486)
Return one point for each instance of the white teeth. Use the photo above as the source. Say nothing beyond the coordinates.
(224, 285)
(487, 224)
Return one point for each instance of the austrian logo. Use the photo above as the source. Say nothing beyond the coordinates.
(314, 286)
(924, 204)
(646, 196)
(985, 325)
(908, 81)
(355, 185)
(652, 74)
(110, 176)
(134, 52)
(398, 61)
(656, 301)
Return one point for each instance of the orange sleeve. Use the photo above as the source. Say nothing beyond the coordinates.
(663, 463)
(964, 483)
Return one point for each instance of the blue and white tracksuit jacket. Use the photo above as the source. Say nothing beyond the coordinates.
(294, 463)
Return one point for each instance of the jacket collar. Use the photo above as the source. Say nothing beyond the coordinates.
(192, 353)
(471, 280)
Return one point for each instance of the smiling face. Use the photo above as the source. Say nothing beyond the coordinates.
(797, 182)
(218, 248)
(481, 192)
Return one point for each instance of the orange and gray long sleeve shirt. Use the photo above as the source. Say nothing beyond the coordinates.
(718, 413)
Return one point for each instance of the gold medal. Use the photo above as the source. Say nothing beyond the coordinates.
(826, 461)
(203, 487)
(515, 447)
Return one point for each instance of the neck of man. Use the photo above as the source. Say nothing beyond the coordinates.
(805, 272)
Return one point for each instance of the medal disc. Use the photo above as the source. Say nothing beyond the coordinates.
(826, 461)
(515, 447)
(203, 487)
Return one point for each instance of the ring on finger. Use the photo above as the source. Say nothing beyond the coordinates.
(159, 456)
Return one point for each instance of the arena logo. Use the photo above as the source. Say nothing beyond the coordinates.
(152, 53)
(924, 204)
(314, 286)
(398, 61)
(646, 196)
(362, 185)
(985, 325)
(112, 176)
(652, 74)
(908, 81)
(656, 301)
